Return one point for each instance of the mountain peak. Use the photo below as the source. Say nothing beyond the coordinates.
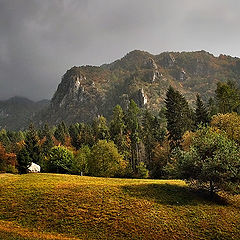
(88, 91)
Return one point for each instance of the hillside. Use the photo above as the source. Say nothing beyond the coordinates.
(88, 91)
(17, 112)
(51, 206)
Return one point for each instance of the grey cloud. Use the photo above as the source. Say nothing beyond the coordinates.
(41, 39)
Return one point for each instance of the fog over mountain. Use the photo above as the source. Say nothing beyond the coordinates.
(41, 39)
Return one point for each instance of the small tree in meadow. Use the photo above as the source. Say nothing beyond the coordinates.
(60, 160)
(105, 161)
(212, 159)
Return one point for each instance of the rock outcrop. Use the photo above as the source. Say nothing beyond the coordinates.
(88, 91)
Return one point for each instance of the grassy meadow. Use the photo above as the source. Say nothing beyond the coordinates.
(54, 206)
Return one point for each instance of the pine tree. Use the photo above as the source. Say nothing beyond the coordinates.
(118, 130)
(179, 116)
(213, 109)
(32, 144)
(132, 123)
(59, 133)
(227, 97)
(86, 135)
(48, 141)
(24, 160)
(148, 134)
(100, 128)
(74, 134)
(153, 133)
(201, 113)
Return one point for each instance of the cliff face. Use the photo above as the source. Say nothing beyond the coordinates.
(88, 91)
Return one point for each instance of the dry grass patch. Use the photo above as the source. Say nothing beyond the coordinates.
(104, 208)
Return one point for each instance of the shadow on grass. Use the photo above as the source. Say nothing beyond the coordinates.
(170, 194)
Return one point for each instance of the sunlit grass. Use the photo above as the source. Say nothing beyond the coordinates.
(42, 206)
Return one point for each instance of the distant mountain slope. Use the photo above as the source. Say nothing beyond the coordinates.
(88, 91)
(16, 112)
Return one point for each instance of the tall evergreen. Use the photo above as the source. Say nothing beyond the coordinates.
(118, 130)
(24, 160)
(132, 123)
(227, 97)
(179, 116)
(148, 134)
(86, 135)
(201, 112)
(152, 133)
(59, 133)
(212, 106)
(32, 144)
(100, 128)
(48, 141)
(74, 134)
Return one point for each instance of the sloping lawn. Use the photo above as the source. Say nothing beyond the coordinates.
(52, 206)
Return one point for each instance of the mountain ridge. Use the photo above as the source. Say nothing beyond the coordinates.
(17, 112)
(88, 91)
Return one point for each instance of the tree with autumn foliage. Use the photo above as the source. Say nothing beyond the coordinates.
(228, 124)
(8, 161)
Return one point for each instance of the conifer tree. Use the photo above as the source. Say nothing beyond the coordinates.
(74, 134)
(100, 128)
(153, 133)
(32, 144)
(118, 130)
(59, 133)
(86, 135)
(201, 113)
(179, 116)
(48, 141)
(132, 123)
(24, 160)
(148, 134)
(228, 97)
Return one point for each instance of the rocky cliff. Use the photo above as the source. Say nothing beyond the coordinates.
(88, 91)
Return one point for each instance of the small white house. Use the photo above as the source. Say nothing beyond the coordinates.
(34, 168)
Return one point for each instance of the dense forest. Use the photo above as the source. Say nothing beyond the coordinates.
(200, 145)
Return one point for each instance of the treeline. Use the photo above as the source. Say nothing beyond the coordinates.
(199, 144)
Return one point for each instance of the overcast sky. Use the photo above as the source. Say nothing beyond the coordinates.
(41, 39)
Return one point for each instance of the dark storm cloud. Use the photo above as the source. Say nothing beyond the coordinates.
(41, 39)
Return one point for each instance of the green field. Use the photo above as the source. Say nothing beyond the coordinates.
(52, 206)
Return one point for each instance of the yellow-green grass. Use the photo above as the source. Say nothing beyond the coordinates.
(52, 206)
